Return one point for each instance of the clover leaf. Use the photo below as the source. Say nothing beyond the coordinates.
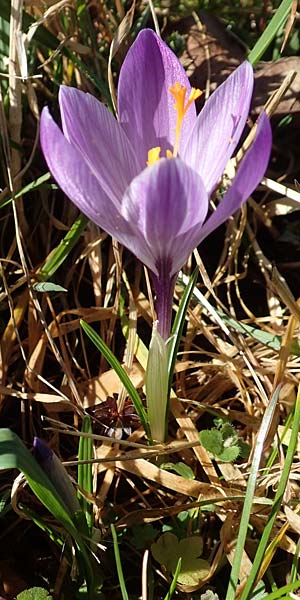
(167, 551)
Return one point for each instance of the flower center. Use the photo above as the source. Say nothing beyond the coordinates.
(178, 91)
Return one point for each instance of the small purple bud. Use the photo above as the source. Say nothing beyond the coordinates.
(41, 451)
(57, 474)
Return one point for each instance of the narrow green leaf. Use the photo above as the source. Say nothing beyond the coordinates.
(100, 85)
(59, 254)
(4, 42)
(178, 324)
(248, 502)
(48, 286)
(180, 468)
(85, 474)
(174, 581)
(277, 502)
(57, 537)
(284, 591)
(114, 363)
(119, 564)
(265, 337)
(33, 185)
(271, 30)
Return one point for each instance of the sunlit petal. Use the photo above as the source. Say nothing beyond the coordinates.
(76, 179)
(145, 105)
(249, 175)
(219, 126)
(95, 133)
(166, 202)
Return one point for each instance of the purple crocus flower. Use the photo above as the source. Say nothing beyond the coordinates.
(146, 178)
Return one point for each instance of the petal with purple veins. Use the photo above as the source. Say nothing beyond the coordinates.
(78, 182)
(145, 105)
(219, 126)
(249, 175)
(76, 179)
(96, 134)
(167, 201)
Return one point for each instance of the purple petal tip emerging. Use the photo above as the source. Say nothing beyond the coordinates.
(41, 451)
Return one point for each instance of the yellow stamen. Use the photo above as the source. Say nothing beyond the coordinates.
(169, 154)
(153, 155)
(178, 91)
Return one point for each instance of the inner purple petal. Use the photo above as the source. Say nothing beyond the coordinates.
(145, 105)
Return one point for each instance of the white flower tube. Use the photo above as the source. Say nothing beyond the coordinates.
(157, 385)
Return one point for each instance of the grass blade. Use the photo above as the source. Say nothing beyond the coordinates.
(114, 363)
(33, 185)
(283, 591)
(174, 581)
(271, 30)
(241, 539)
(59, 254)
(85, 474)
(178, 324)
(119, 564)
(262, 555)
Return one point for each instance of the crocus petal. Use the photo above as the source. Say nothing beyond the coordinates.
(76, 179)
(166, 202)
(219, 126)
(145, 105)
(96, 134)
(78, 182)
(249, 175)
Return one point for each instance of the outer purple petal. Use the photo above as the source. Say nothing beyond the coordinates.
(167, 203)
(145, 105)
(78, 182)
(94, 132)
(219, 126)
(76, 179)
(249, 175)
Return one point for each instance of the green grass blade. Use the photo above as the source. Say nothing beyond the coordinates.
(119, 564)
(271, 30)
(295, 564)
(274, 452)
(98, 83)
(14, 455)
(4, 42)
(114, 363)
(248, 502)
(178, 324)
(261, 550)
(85, 474)
(174, 581)
(33, 185)
(264, 337)
(59, 254)
(55, 536)
(283, 591)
